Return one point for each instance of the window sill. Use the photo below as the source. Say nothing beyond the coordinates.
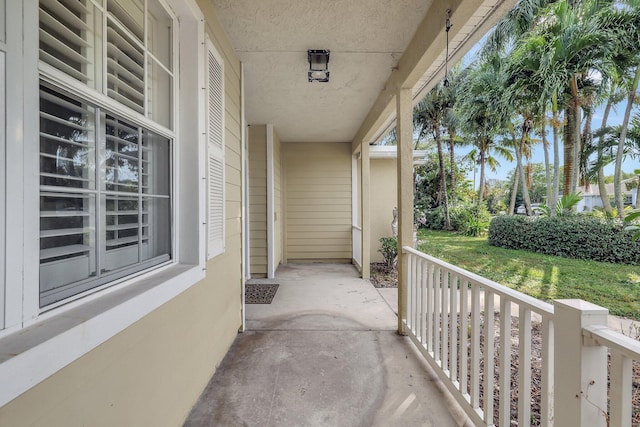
(61, 338)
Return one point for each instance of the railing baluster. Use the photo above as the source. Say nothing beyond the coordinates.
(489, 331)
(416, 295)
(524, 367)
(423, 303)
(505, 362)
(410, 285)
(464, 337)
(475, 345)
(453, 330)
(444, 329)
(547, 372)
(430, 319)
(437, 321)
(621, 391)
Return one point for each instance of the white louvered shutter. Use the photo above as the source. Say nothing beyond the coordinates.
(66, 36)
(125, 53)
(215, 153)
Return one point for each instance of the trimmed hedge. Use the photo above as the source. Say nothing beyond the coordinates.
(575, 236)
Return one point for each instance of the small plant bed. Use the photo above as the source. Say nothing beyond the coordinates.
(383, 276)
(546, 277)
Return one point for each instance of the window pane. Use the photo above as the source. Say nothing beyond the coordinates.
(157, 228)
(160, 33)
(129, 14)
(156, 160)
(122, 168)
(71, 39)
(67, 241)
(159, 94)
(67, 144)
(125, 67)
(122, 232)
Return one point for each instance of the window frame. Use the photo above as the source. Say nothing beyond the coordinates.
(100, 116)
(66, 333)
(99, 97)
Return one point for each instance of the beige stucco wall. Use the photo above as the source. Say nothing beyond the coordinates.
(383, 199)
(258, 200)
(152, 373)
(318, 201)
(277, 200)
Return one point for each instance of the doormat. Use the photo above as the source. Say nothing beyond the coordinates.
(260, 293)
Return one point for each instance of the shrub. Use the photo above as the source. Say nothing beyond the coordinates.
(575, 236)
(389, 250)
(470, 220)
(434, 218)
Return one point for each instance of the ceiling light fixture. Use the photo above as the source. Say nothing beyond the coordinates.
(318, 65)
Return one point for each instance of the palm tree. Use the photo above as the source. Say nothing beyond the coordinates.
(428, 117)
(451, 122)
(614, 97)
(628, 29)
(482, 114)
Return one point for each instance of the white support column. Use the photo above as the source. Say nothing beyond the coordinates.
(356, 229)
(580, 395)
(405, 194)
(365, 186)
(271, 270)
(245, 195)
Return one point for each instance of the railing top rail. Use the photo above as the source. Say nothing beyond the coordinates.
(533, 304)
(605, 336)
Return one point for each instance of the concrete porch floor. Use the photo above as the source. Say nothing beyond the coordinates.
(325, 352)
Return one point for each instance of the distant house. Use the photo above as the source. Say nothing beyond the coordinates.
(591, 195)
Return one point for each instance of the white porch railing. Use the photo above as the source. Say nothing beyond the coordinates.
(356, 242)
(467, 326)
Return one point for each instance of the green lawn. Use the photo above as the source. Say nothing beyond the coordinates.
(614, 286)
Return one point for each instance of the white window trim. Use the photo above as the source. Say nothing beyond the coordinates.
(65, 334)
(2, 174)
(60, 80)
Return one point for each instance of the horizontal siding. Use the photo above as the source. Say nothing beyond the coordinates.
(318, 202)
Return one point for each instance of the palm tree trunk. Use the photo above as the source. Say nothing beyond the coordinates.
(637, 205)
(452, 160)
(481, 188)
(556, 161)
(568, 150)
(623, 135)
(571, 138)
(606, 205)
(514, 192)
(443, 178)
(523, 178)
(586, 144)
(547, 165)
(577, 143)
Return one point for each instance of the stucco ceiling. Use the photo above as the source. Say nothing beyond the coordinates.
(366, 39)
(271, 37)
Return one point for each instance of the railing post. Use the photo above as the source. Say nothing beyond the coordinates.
(580, 396)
